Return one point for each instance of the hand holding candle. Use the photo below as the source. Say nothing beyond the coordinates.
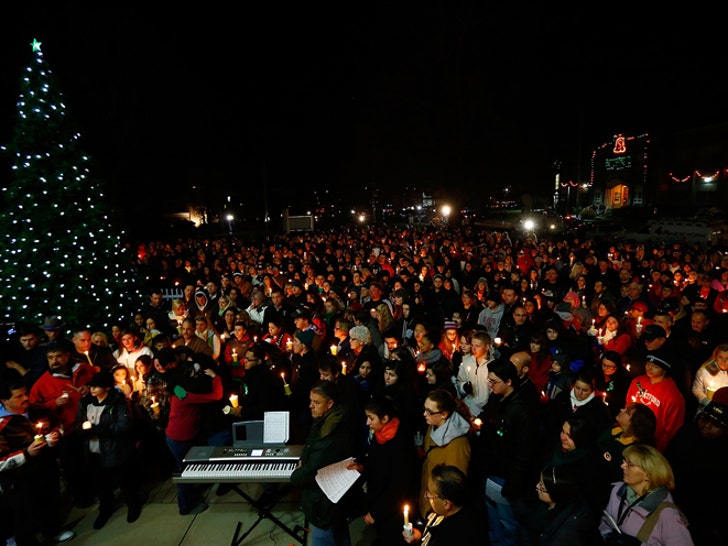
(39, 437)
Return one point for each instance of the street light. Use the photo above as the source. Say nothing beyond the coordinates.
(445, 210)
(230, 219)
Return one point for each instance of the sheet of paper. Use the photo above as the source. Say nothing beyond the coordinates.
(611, 521)
(275, 427)
(335, 479)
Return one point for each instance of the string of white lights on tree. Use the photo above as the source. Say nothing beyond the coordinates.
(60, 254)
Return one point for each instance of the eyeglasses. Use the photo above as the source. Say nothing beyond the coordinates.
(609, 366)
(430, 496)
(430, 412)
(494, 381)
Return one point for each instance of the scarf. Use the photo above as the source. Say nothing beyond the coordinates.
(454, 427)
(575, 404)
(388, 431)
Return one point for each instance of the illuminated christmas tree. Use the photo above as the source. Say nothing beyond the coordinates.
(60, 253)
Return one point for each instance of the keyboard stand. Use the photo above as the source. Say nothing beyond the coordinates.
(264, 511)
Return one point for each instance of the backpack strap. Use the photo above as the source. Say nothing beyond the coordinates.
(649, 524)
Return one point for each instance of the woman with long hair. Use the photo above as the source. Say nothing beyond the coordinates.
(613, 337)
(464, 348)
(449, 340)
(541, 358)
(605, 309)
(612, 380)
(269, 285)
(383, 315)
(712, 375)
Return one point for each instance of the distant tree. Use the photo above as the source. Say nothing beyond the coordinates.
(60, 253)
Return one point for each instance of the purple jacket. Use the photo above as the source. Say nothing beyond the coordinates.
(671, 528)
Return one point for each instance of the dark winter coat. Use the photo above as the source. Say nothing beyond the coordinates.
(328, 442)
(114, 429)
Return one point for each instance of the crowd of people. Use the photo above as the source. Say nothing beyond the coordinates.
(561, 391)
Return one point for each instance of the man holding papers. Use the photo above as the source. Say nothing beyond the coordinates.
(328, 442)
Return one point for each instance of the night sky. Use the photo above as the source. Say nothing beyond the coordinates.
(347, 99)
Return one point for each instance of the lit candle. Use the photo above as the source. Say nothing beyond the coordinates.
(406, 514)
(334, 349)
(498, 341)
(88, 357)
(421, 367)
(155, 406)
(289, 345)
(286, 386)
(39, 432)
(235, 355)
(234, 400)
(639, 320)
(85, 426)
(343, 367)
(478, 422)
(710, 391)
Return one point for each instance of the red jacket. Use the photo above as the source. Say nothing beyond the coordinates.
(49, 387)
(665, 400)
(184, 415)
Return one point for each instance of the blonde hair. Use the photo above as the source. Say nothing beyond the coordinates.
(654, 463)
(711, 365)
(386, 320)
